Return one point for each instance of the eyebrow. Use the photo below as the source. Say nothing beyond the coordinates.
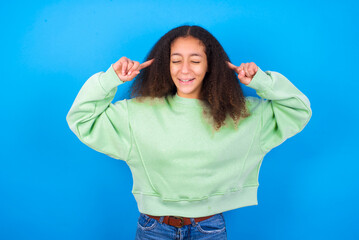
(193, 54)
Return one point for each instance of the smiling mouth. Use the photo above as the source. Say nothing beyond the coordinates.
(186, 81)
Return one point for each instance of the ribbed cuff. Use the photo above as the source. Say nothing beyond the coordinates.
(110, 80)
(261, 82)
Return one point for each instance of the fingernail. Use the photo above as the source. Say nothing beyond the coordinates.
(129, 73)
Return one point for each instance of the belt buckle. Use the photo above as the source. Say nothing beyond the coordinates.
(181, 222)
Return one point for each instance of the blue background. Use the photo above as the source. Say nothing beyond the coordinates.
(54, 187)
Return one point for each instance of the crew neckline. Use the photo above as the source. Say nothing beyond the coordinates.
(193, 102)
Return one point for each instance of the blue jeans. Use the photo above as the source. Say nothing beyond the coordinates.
(213, 228)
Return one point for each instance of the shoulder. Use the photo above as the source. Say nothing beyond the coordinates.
(252, 102)
(254, 105)
(146, 103)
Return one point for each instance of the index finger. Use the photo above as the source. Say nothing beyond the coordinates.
(145, 64)
(232, 66)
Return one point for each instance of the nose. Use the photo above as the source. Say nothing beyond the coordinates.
(185, 67)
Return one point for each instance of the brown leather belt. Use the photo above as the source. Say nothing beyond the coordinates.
(179, 221)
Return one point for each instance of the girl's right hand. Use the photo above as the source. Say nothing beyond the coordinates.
(126, 69)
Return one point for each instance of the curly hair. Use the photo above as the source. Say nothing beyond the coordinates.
(221, 92)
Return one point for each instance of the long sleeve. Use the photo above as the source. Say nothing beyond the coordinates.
(97, 122)
(284, 109)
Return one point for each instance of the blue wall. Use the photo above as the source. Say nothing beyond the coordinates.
(54, 187)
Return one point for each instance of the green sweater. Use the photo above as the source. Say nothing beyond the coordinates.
(180, 165)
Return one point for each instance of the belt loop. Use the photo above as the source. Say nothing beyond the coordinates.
(161, 219)
(193, 222)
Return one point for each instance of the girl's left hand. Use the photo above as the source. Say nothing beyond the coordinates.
(245, 71)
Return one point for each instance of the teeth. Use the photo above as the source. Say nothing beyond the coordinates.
(186, 80)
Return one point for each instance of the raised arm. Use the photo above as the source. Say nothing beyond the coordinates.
(97, 122)
(284, 109)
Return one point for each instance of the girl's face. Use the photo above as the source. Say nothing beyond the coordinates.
(188, 66)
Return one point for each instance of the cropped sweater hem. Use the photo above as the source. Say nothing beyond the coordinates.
(154, 205)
